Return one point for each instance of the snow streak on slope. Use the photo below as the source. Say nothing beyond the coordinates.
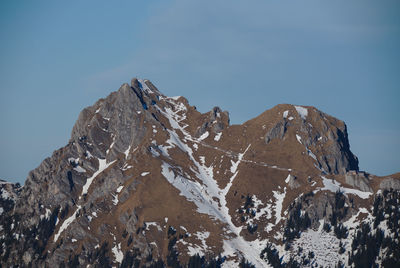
(278, 205)
(205, 192)
(103, 165)
(66, 223)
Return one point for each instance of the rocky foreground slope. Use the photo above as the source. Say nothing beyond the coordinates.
(148, 181)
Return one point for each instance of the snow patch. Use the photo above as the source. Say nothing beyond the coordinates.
(288, 178)
(204, 136)
(144, 87)
(115, 200)
(79, 169)
(119, 189)
(153, 223)
(5, 194)
(303, 112)
(144, 174)
(278, 204)
(218, 136)
(89, 155)
(116, 250)
(325, 247)
(199, 249)
(334, 186)
(298, 138)
(126, 153)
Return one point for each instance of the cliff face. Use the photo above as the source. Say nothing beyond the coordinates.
(147, 179)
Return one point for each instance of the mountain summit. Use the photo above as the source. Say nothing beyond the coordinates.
(146, 180)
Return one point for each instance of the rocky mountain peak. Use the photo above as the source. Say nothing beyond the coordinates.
(147, 179)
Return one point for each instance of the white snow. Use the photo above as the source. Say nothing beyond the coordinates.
(264, 211)
(285, 114)
(287, 178)
(79, 169)
(126, 167)
(1, 210)
(102, 166)
(291, 118)
(66, 223)
(217, 136)
(303, 112)
(152, 223)
(98, 110)
(144, 174)
(115, 200)
(5, 194)
(229, 251)
(199, 249)
(334, 186)
(112, 145)
(48, 213)
(126, 153)
(298, 138)
(324, 245)
(204, 136)
(116, 250)
(73, 240)
(175, 97)
(144, 86)
(278, 204)
(154, 152)
(311, 154)
(89, 155)
(119, 188)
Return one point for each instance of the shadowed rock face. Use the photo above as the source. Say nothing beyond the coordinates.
(143, 171)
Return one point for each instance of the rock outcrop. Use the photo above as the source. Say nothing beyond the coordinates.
(359, 180)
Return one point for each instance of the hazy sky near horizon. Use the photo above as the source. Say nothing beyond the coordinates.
(58, 57)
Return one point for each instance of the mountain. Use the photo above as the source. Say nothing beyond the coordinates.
(146, 180)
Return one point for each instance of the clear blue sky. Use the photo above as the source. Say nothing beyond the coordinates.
(57, 57)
